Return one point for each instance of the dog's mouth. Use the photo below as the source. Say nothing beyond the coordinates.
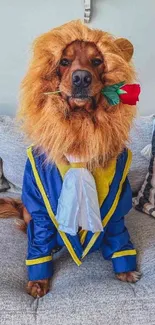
(79, 100)
(82, 100)
(86, 102)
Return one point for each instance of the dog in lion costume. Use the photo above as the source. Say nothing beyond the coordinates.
(78, 102)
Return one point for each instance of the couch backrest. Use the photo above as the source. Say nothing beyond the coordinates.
(13, 150)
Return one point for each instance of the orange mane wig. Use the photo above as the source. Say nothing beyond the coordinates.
(44, 118)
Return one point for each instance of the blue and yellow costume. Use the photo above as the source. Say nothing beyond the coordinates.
(41, 190)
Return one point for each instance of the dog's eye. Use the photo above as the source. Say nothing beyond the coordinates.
(65, 62)
(95, 62)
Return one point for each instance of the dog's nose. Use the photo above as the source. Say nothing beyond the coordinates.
(81, 78)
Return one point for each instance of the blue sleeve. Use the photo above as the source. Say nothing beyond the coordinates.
(117, 245)
(41, 231)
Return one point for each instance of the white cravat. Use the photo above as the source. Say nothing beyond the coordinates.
(78, 204)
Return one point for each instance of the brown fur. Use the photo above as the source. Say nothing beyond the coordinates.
(14, 208)
(11, 208)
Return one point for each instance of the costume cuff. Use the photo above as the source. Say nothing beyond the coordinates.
(40, 268)
(124, 261)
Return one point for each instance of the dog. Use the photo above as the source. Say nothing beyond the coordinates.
(65, 114)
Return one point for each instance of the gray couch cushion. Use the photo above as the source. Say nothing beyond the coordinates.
(141, 135)
(12, 151)
(88, 294)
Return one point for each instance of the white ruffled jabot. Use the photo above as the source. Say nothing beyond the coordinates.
(78, 204)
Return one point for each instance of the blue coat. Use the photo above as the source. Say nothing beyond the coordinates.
(41, 190)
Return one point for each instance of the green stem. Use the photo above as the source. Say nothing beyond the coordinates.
(52, 92)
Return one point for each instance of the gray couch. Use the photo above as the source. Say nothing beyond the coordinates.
(88, 294)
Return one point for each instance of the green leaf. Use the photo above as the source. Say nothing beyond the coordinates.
(121, 91)
(112, 87)
(112, 97)
(112, 93)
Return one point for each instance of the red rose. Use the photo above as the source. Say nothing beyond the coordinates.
(131, 95)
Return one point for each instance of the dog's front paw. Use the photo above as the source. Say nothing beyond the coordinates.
(131, 277)
(38, 288)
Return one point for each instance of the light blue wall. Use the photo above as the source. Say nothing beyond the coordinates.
(21, 21)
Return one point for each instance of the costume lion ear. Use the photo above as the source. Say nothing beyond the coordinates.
(126, 48)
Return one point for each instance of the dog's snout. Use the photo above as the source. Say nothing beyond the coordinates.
(81, 78)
